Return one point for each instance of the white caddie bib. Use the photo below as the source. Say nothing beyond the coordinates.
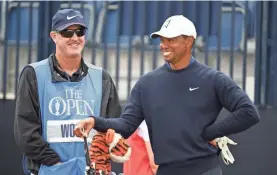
(63, 131)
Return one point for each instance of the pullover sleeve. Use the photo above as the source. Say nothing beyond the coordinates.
(130, 119)
(243, 113)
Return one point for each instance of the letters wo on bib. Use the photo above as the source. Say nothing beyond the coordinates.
(62, 105)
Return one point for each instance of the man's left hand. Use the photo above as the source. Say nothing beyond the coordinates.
(225, 153)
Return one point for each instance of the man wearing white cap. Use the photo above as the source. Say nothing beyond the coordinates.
(180, 102)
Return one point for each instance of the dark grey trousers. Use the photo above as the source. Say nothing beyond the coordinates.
(214, 171)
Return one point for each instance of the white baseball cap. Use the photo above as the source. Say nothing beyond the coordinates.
(175, 26)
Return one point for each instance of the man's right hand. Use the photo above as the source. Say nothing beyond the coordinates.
(83, 127)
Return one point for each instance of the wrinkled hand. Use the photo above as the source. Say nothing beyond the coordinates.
(225, 153)
(83, 127)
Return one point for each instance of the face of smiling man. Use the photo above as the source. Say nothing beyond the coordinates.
(177, 36)
(69, 47)
(176, 50)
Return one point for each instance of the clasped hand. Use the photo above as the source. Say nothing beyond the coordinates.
(83, 127)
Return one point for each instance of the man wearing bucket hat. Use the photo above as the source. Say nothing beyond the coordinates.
(180, 102)
(54, 94)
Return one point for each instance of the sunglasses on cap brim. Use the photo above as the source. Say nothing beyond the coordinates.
(68, 33)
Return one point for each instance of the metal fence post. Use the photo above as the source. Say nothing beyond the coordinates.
(47, 9)
(266, 55)
(257, 98)
(271, 48)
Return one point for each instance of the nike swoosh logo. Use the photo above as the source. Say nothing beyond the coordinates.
(192, 89)
(70, 17)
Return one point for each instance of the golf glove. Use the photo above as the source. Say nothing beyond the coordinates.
(225, 153)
